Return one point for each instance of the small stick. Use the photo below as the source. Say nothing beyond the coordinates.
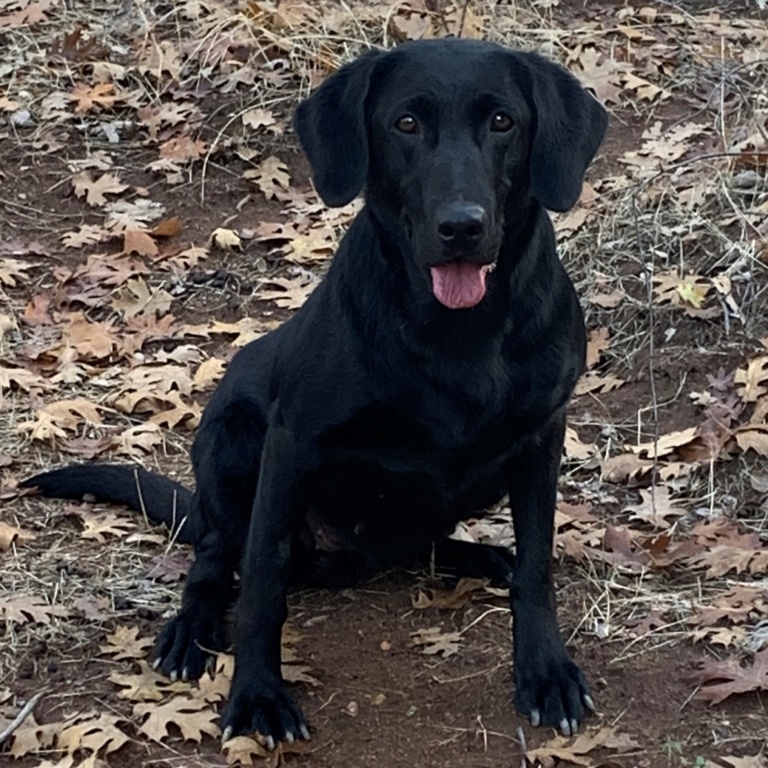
(21, 717)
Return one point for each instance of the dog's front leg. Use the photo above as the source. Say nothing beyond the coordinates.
(258, 701)
(549, 687)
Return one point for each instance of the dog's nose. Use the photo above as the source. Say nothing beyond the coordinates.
(462, 224)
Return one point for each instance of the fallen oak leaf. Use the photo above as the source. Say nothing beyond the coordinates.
(54, 419)
(272, 178)
(168, 568)
(23, 608)
(433, 640)
(10, 535)
(32, 736)
(451, 599)
(755, 761)
(182, 149)
(291, 293)
(101, 526)
(592, 382)
(101, 95)
(30, 14)
(208, 373)
(575, 448)
(146, 685)
(193, 717)
(666, 444)
(25, 380)
(244, 750)
(655, 507)
(597, 341)
(124, 643)
(92, 340)
(95, 733)
(136, 297)
(13, 270)
(94, 190)
(576, 750)
(139, 242)
(721, 679)
(137, 441)
(753, 381)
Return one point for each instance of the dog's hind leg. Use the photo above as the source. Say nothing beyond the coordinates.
(189, 640)
(226, 457)
(480, 561)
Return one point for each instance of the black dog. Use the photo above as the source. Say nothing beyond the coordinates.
(426, 376)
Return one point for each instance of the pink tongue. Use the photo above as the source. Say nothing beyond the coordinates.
(459, 285)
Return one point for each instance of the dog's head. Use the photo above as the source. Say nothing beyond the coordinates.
(449, 138)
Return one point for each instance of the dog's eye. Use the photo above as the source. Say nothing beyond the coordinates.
(407, 124)
(501, 122)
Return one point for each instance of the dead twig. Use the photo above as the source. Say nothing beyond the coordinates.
(21, 717)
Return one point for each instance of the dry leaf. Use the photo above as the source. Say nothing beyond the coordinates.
(138, 441)
(666, 444)
(136, 297)
(721, 679)
(13, 270)
(101, 526)
(55, 419)
(608, 300)
(656, 506)
(147, 685)
(753, 381)
(576, 750)
(208, 373)
(193, 717)
(97, 733)
(139, 242)
(591, 383)
(10, 535)
(451, 599)
(23, 608)
(93, 98)
(575, 449)
(23, 379)
(124, 643)
(94, 190)
(291, 293)
(92, 340)
(434, 641)
(597, 341)
(225, 240)
(272, 178)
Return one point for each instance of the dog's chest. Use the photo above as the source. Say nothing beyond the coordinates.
(418, 454)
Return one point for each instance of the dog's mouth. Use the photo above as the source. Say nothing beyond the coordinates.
(460, 284)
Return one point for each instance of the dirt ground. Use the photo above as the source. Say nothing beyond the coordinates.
(155, 215)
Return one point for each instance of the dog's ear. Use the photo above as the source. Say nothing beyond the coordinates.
(331, 127)
(569, 125)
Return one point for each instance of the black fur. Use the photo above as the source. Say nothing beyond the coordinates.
(364, 428)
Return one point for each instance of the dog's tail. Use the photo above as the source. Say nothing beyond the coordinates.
(162, 499)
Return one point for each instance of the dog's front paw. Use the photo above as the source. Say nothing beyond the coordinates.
(265, 709)
(187, 643)
(552, 691)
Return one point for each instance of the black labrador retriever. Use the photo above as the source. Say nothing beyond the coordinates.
(425, 377)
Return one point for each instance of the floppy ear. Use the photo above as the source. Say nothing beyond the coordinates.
(331, 128)
(569, 125)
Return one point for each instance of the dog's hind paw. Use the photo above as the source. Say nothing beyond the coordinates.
(185, 646)
(266, 710)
